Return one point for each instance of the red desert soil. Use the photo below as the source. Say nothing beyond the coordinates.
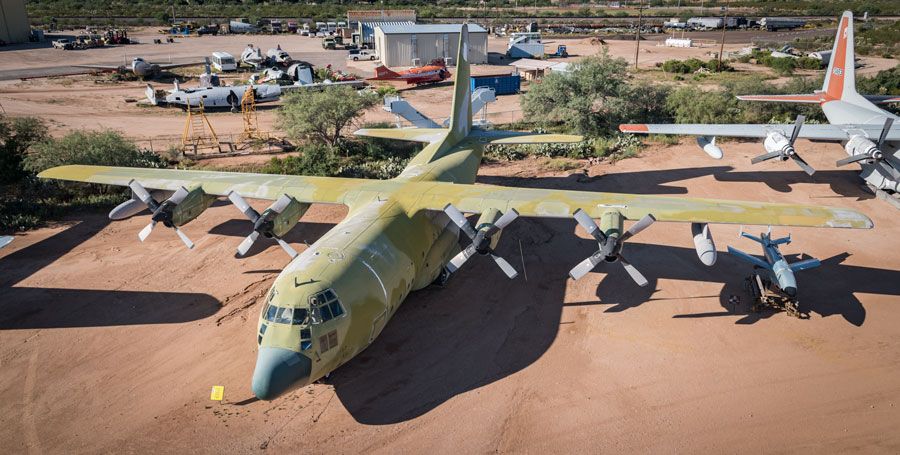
(110, 345)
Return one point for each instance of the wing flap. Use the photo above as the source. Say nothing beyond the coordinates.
(813, 98)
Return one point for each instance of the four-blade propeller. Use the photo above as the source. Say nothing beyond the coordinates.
(481, 239)
(875, 155)
(262, 224)
(162, 212)
(610, 247)
(785, 150)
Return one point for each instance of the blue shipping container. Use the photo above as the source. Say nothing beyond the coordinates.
(502, 85)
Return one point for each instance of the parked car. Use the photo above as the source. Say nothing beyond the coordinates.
(361, 54)
(63, 43)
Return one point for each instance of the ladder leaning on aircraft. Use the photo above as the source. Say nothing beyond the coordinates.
(334, 298)
(864, 130)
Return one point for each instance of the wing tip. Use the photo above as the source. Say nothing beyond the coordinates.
(634, 128)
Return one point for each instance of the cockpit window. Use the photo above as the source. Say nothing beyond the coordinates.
(325, 306)
(281, 315)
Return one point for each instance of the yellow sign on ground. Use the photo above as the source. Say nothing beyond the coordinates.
(217, 393)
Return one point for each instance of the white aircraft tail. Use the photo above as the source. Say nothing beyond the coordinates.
(840, 78)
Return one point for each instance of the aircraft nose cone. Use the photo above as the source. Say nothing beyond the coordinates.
(277, 369)
(790, 291)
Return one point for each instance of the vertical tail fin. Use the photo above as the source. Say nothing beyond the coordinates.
(382, 72)
(840, 79)
(461, 115)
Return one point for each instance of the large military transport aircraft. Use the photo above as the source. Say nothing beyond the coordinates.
(400, 235)
(863, 129)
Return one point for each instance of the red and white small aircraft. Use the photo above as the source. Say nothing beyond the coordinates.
(861, 127)
(432, 73)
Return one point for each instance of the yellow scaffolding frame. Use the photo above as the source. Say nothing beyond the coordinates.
(198, 132)
(251, 118)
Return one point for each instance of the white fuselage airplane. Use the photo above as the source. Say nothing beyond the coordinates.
(861, 127)
(214, 97)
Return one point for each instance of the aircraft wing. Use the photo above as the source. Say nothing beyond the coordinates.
(102, 67)
(326, 190)
(820, 132)
(482, 136)
(167, 66)
(416, 196)
(563, 203)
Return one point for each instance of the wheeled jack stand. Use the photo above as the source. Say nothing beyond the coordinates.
(767, 296)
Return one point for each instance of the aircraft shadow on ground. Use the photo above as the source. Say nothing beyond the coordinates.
(640, 182)
(843, 182)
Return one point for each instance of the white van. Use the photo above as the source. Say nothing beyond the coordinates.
(223, 61)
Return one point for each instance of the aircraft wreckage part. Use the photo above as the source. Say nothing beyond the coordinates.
(703, 243)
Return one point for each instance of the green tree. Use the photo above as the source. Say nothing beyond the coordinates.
(102, 148)
(322, 116)
(17, 136)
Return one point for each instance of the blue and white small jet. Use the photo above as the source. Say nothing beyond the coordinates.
(780, 272)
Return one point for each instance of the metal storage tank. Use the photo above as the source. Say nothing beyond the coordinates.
(411, 45)
(14, 27)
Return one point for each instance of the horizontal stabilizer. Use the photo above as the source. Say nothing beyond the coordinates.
(517, 137)
(882, 99)
(814, 98)
(405, 134)
(805, 264)
(751, 259)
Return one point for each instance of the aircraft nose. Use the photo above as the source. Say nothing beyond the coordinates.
(277, 369)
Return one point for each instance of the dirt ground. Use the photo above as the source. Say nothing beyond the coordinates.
(111, 345)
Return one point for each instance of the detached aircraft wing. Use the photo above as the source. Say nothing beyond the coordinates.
(817, 132)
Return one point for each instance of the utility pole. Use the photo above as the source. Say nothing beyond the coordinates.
(722, 45)
(637, 36)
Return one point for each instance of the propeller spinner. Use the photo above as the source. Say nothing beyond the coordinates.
(481, 239)
(610, 245)
(265, 223)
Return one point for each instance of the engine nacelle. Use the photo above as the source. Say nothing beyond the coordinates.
(709, 146)
(283, 222)
(134, 205)
(777, 142)
(703, 243)
(486, 220)
(191, 207)
(859, 145)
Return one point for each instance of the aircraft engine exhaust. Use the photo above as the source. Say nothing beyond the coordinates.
(484, 237)
(709, 146)
(781, 147)
(703, 243)
(274, 223)
(611, 240)
(862, 149)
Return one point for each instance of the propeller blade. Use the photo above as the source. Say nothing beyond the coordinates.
(460, 220)
(633, 271)
(179, 196)
(184, 238)
(584, 267)
(140, 192)
(797, 126)
(247, 243)
(507, 218)
(884, 131)
(852, 159)
(765, 157)
(803, 164)
(146, 231)
(287, 248)
(505, 266)
(589, 225)
(890, 170)
(281, 203)
(243, 206)
(636, 228)
(460, 258)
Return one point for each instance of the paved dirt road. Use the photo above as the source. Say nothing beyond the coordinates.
(107, 344)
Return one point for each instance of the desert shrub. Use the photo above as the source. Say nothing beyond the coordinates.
(17, 136)
(313, 159)
(100, 148)
(324, 115)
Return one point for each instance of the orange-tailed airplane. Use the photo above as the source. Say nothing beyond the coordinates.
(432, 73)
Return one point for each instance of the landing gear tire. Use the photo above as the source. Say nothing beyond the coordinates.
(442, 278)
